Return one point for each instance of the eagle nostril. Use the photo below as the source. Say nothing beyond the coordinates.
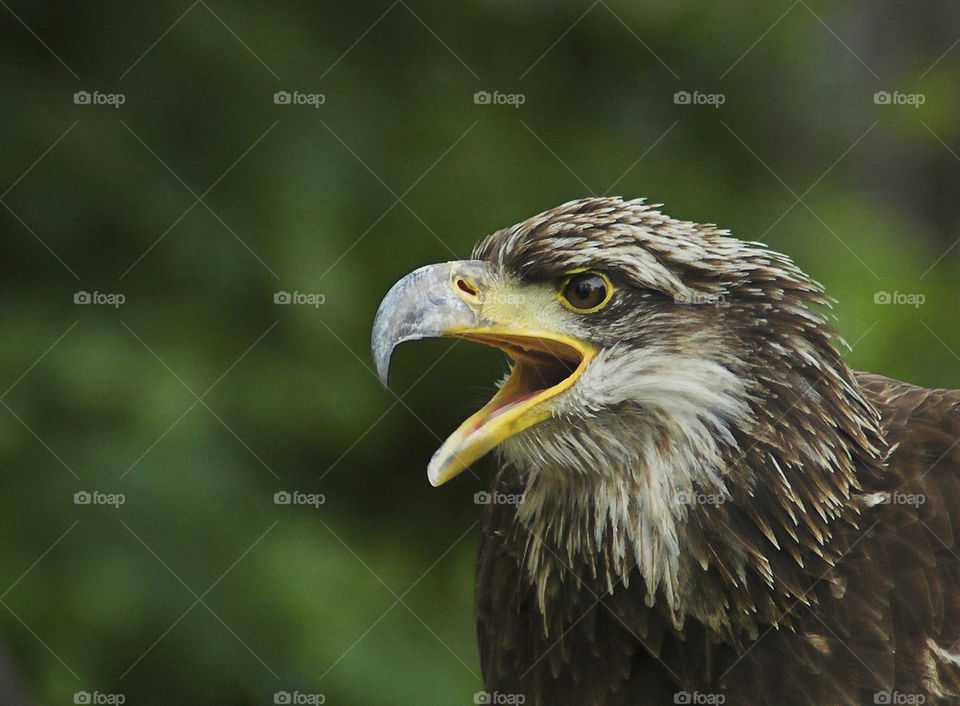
(466, 287)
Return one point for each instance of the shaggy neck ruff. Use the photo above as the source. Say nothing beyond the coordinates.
(648, 449)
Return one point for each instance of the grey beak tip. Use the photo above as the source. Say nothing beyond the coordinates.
(421, 305)
(381, 350)
(384, 338)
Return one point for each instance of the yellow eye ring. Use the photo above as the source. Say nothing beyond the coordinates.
(584, 291)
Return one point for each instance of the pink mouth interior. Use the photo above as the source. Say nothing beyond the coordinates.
(539, 365)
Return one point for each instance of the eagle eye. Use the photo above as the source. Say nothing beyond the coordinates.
(586, 291)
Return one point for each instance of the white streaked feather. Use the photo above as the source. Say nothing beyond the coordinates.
(618, 476)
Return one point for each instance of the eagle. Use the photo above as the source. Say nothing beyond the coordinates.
(698, 501)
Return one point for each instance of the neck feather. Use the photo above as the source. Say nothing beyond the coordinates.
(686, 477)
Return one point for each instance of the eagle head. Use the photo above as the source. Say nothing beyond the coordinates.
(671, 386)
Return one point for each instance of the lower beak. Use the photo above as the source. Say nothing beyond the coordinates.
(447, 299)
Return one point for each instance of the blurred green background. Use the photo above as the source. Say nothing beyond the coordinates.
(201, 197)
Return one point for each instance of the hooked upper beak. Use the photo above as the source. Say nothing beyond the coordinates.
(452, 299)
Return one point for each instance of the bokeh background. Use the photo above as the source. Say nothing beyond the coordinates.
(201, 196)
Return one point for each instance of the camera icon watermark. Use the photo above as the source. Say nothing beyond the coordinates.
(913, 299)
(497, 498)
(695, 497)
(498, 98)
(898, 498)
(898, 98)
(83, 497)
(498, 697)
(286, 497)
(298, 697)
(98, 697)
(693, 296)
(898, 697)
(116, 300)
(98, 98)
(698, 98)
(297, 98)
(698, 697)
(314, 299)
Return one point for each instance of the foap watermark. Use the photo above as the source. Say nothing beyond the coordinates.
(114, 299)
(497, 498)
(699, 697)
(508, 298)
(498, 98)
(298, 697)
(695, 497)
(295, 497)
(311, 299)
(314, 100)
(698, 98)
(98, 697)
(695, 297)
(83, 497)
(98, 98)
(898, 697)
(898, 98)
(898, 498)
(912, 298)
(498, 697)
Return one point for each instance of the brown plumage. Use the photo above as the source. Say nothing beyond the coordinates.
(884, 619)
(717, 510)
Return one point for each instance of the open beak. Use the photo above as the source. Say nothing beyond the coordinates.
(451, 299)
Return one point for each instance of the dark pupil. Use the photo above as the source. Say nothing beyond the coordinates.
(586, 291)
